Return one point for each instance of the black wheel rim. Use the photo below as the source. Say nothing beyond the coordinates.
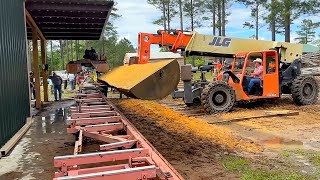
(308, 91)
(219, 100)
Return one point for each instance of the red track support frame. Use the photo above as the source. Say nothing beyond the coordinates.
(123, 154)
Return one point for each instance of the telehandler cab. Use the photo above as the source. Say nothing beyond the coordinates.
(278, 78)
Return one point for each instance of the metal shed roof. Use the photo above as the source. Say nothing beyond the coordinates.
(70, 19)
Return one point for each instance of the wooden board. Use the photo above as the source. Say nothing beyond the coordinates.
(267, 114)
(13, 141)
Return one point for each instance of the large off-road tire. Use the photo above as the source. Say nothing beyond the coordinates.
(218, 97)
(305, 90)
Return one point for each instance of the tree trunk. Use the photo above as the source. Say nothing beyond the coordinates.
(273, 29)
(192, 27)
(192, 20)
(219, 18)
(214, 17)
(52, 62)
(257, 20)
(164, 16)
(61, 53)
(77, 49)
(103, 49)
(287, 23)
(306, 38)
(181, 16)
(168, 15)
(71, 43)
(30, 55)
(273, 20)
(67, 48)
(223, 14)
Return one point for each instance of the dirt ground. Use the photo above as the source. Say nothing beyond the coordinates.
(265, 148)
(196, 149)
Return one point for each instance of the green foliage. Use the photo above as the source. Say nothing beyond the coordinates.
(199, 61)
(164, 49)
(197, 75)
(117, 52)
(290, 10)
(256, 7)
(194, 9)
(307, 32)
(195, 60)
(168, 9)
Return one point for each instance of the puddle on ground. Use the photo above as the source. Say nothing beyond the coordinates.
(21, 163)
(280, 142)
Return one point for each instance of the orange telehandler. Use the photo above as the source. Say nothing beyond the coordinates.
(281, 71)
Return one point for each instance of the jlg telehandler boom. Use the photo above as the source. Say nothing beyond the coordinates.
(144, 80)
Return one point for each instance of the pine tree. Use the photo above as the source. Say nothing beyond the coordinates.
(256, 7)
(167, 8)
(194, 9)
(307, 31)
(180, 4)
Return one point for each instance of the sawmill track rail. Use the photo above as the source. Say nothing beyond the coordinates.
(123, 152)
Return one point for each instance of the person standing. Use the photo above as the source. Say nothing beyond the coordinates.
(51, 85)
(219, 67)
(57, 82)
(32, 88)
(64, 77)
(80, 78)
(71, 78)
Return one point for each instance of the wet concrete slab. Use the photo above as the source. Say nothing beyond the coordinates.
(32, 158)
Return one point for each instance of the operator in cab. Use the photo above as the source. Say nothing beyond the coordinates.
(256, 75)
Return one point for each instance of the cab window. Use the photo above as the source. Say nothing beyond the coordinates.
(251, 58)
(271, 63)
(239, 65)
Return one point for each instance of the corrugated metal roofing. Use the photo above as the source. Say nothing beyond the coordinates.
(14, 87)
(70, 19)
(307, 48)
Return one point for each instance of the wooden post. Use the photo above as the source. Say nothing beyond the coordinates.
(44, 72)
(36, 66)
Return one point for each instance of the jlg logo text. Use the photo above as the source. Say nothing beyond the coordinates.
(222, 42)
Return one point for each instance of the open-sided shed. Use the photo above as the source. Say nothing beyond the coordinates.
(38, 20)
(69, 19)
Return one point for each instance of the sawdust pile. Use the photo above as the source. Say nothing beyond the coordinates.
(180, 124)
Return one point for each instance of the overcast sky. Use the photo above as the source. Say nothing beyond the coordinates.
(137, 16)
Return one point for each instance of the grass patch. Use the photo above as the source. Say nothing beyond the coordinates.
(315, 159)
(242, 166)
(285, 154)
(67, 93)
(233, 163)
(266, 175)
(197, 75)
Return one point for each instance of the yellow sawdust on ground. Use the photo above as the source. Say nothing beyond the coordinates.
(232, 115)
(179, 123)
(127, 76)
